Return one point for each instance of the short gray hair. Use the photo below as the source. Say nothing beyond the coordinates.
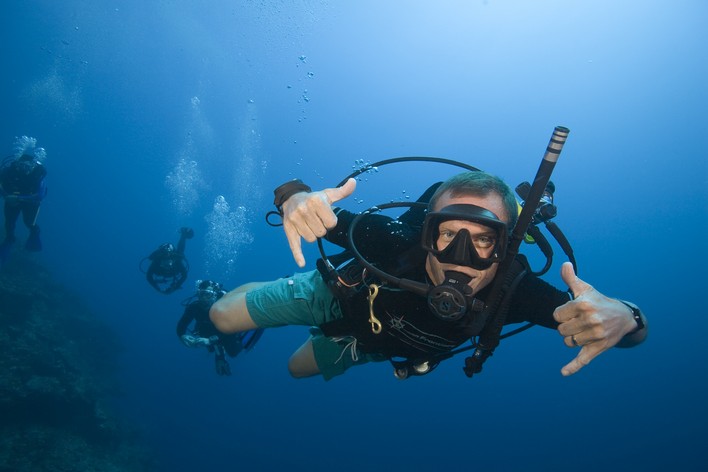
(479, 184)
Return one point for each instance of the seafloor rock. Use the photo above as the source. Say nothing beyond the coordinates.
(57, 374)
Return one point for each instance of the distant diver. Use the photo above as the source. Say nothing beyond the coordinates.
(168, 268)
(23, 186)
(204, 333)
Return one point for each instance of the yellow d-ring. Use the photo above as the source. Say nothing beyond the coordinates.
(375, 323)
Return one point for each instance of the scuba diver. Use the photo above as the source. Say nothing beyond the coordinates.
(168, 267)
(22, 185)
(421, 285)
(205, 334)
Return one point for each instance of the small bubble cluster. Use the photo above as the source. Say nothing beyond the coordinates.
(365, 166)
(228, 231)
(28, 145)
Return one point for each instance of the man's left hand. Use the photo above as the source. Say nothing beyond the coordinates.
(309, 216)
(590, 321)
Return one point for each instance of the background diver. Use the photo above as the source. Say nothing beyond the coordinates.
(168, 267)
(23, 186)
(204, 333)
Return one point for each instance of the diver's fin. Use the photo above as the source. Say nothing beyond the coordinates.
(222, 365)
(250, 338)
(33, 243)
(188, 233)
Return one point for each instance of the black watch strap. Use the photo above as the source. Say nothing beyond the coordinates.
(287, 190)
(637, 314)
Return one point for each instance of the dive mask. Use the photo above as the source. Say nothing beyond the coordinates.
(461, 250)
(209, 291)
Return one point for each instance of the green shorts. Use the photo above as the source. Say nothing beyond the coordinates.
(335, 355)
(304, 299)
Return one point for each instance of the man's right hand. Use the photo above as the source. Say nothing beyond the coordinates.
(194, 341)
(309, 215)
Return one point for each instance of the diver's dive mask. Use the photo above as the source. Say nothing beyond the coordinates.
(209, 291)
(462, 250)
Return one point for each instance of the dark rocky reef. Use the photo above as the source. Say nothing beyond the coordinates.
(57, 378)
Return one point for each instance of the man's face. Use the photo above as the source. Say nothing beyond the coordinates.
(479, 233)
(207, 295)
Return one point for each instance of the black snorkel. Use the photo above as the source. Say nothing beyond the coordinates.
(489, 338)
(545, 212)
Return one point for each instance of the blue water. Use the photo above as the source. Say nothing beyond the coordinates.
(151, 111)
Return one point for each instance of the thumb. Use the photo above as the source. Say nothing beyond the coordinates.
(574, 283)
(339, 193)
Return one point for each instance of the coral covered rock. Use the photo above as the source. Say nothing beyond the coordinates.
(57, 374)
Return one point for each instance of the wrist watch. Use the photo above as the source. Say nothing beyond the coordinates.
(637, 314)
